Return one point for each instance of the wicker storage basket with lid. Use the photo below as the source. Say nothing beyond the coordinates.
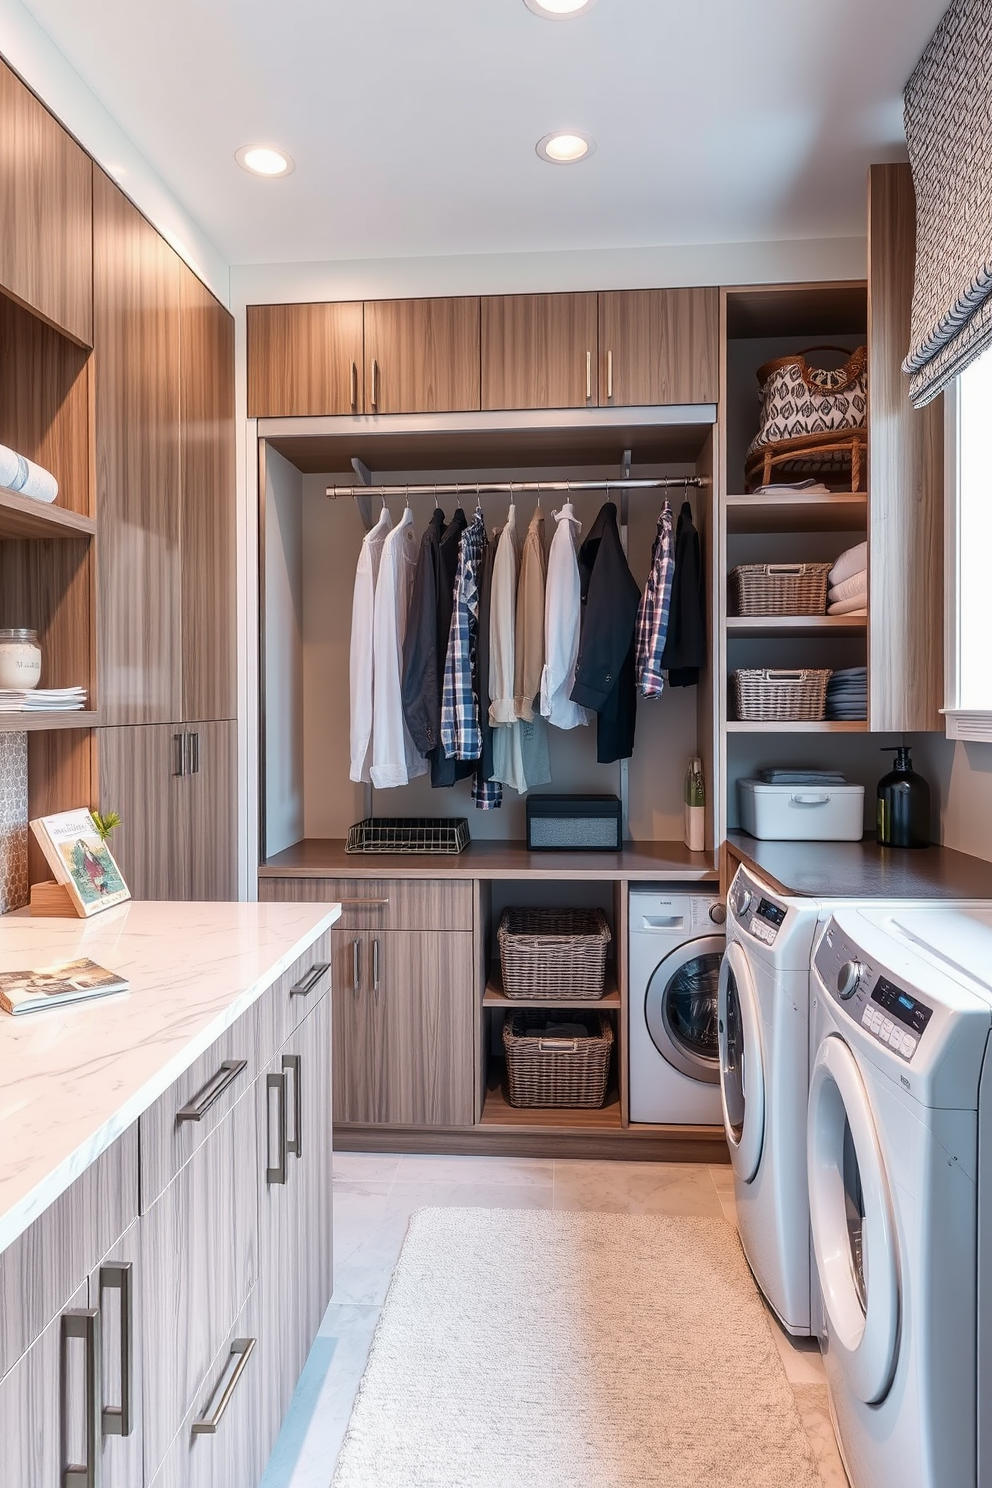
(554, 953)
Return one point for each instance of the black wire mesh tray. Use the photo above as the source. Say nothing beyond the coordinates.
(409, 834)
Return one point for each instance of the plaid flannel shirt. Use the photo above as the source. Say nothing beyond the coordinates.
(461, 732)
(652, 614)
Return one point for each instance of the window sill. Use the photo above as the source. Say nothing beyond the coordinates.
(974, 724)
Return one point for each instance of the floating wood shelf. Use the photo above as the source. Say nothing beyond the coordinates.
(796, 625)
(495, 997)
(20, 517)
(859, 726)
(14, 723)
(497, 1111)
(791, 511)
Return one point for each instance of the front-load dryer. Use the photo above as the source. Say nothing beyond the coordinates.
(676, 943)
(899, 1151)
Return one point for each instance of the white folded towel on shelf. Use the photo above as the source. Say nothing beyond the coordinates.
(857, 584)
(25, 477)
(854, 606)
(849, 563)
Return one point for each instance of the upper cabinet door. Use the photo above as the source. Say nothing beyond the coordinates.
(659, 346)
(305, 361)
(209, 649)
(422, 356)
(139, 581)
(540, 351)
(46, 207)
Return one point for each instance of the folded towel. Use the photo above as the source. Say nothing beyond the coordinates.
(25, 477)
(809, 487)
(850, 588)
(851, 562)
(855, 606)
(857, 673)
(802, 777)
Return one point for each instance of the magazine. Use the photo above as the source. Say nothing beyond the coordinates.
(69, 981)
(81, 860)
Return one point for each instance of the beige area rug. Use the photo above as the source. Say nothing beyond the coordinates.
(536, 1349)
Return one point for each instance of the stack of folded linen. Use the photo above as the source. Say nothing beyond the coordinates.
(848, 580)
(847, 694)
(800, 775)
(806, 487)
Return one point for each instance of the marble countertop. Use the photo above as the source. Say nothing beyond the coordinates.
(73, 1078)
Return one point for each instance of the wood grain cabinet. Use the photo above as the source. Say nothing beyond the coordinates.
(36, 1441)
(659, 346)
(46, 207)
(306, 360)
(540, 351)
(115, 1287)
(422, 356)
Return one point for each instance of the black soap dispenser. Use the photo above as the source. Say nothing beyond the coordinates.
(903, 804)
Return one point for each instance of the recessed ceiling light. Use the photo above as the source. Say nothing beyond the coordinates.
(565, 147)
(559, 10)
(263, 160)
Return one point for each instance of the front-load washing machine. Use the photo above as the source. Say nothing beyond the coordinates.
(899, 1151)
(676, 943)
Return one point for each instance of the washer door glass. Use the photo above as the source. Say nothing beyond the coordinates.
(680, 1008)
(854, 1238)
(742, 1076)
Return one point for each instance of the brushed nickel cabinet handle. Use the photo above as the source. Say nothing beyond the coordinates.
(179, 754)
(294, 1062)
(82, 1323)
(375, 383)
(311, 979)
(118, 1278)
(374, 902)
(197, 1108)
(354, 385)
(195, 752)
(277, 1173)
(375, 967)
(609, 375)
(356, 966)
(588, 375)
(241, 1352)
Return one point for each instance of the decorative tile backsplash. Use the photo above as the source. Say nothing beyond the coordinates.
(13, 821)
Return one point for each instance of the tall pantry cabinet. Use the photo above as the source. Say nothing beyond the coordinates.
(165, 571)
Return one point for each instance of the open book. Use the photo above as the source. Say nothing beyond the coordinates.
(71, 981)
(80, 859)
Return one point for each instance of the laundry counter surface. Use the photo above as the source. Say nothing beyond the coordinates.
(863, 870)
(73, 1078)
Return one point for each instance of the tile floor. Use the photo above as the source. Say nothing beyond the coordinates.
(374, 1197)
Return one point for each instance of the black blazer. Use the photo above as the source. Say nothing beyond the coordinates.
(604, 674)
(685, 646)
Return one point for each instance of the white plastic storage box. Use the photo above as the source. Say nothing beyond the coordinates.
(802, 813)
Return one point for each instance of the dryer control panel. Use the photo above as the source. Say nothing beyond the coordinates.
(755, 910)
(892, 1015)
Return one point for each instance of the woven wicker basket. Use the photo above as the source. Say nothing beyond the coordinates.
(554, 953)
(779, 588)
(785, 696)
(557, 1071)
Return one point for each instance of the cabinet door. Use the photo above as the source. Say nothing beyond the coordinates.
(305, 360)
(46, 207)
(199, 1248)
(540, 351)
(208, 539)
(313, 1160)
(136, 337)
(423, 999)
(422, 356)
(138, 778)
(659, 346)
(38, 1439)
(114, 1291)
(210, 810)
(356, 1078)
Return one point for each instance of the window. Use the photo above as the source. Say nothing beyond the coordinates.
(969, 573)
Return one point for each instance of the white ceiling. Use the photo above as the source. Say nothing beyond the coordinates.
(413, 122)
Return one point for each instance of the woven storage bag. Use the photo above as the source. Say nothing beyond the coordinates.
(767, 695)
(554, 953)
(799, 401)
(550, 1070)
(779, 588)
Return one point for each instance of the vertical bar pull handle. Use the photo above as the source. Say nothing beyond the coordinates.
(375, 967)
(82, 1324)
(117, 1418)
(609, 375)
(375, 383)
(179, 754)
(195, 752)
(588, 375)
(294, 1062)
(354, 385)
(356, 966)
(277, 1173)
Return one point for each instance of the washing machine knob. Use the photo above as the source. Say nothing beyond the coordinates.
(718, 914)
(742, 902)
(849, 979)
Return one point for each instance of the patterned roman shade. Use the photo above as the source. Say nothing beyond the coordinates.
(949, 132)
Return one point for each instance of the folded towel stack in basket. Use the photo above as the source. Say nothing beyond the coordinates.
(848, 580)
(847, 694)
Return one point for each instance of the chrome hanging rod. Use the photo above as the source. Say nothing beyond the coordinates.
(517, 488)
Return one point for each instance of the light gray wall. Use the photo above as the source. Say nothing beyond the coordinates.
(960, 776)
(283, 679)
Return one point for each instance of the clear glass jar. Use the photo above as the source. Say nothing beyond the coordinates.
(20, 659)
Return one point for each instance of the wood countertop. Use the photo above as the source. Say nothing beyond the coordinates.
(326, 858)
(863, 870)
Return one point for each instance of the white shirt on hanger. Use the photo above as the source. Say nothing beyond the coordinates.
(395, 758)
(362, 616)
(562, 617)
(502, 624)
